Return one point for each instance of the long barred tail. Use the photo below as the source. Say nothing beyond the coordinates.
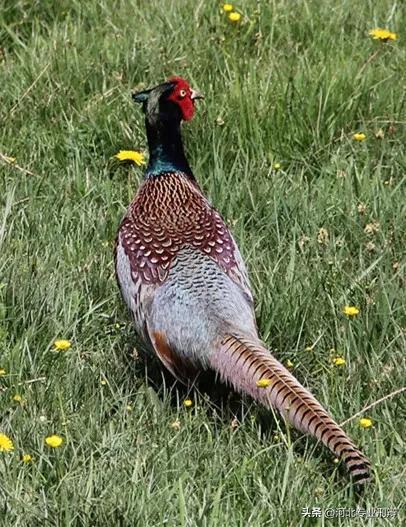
(242, 362)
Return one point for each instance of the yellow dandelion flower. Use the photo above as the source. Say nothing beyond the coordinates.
(276, 166)
(9, 159)
(227, 8)
(54, 441)
(103, 382)
(263, 383)
(6, 445)
(62, 345)
(234, 17)
(382, 34)
(129, 408)
(359, 136)
(188, 403)
(338, 361)
(350, 311)
(131, 155)
(365, 422)
(26, 458)
(2, 372)
(17, 398)
(289, 364)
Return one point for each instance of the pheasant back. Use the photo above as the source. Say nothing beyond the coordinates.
(168, 213)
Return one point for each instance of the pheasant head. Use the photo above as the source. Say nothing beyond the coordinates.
(172, 100)
(165, 106)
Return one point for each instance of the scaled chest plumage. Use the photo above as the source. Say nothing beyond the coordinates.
(168, 213)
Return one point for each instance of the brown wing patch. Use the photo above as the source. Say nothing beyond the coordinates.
(168, 213)
(180, 368)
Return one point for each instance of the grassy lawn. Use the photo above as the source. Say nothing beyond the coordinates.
(319, 217)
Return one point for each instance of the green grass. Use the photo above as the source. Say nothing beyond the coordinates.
(292, 83)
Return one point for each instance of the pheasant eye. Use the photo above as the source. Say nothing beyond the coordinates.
(182, 93)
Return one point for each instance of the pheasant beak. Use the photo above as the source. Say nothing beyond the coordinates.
(196, 95)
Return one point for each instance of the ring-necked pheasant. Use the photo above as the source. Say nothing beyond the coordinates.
(183, 278)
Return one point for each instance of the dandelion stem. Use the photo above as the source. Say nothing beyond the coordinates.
(368, 61)
(372, 405)
(5, 159)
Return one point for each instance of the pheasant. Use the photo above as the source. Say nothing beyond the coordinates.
(184, 281)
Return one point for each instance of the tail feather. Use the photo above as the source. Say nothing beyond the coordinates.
(242, 362)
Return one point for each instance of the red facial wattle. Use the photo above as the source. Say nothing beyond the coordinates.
(182, 96)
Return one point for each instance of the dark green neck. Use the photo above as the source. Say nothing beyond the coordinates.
(166, 152)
